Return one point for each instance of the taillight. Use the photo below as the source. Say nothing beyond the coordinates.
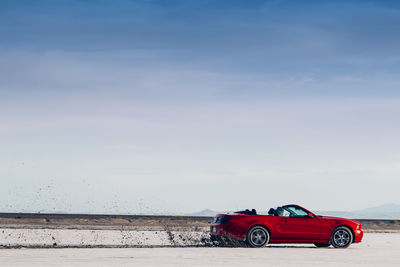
(222, 219)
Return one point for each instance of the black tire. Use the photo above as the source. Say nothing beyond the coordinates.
(257, 237)
(341, 237)
(322, 245)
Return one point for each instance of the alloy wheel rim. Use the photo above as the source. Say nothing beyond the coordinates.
(341, 238)
(258, 237)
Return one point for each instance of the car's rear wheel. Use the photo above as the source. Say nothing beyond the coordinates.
(322, 245)
(341, 237)
(257, 237)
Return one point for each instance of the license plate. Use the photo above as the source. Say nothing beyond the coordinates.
(214, 229)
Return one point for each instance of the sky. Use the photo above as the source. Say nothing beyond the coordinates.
(170, 107)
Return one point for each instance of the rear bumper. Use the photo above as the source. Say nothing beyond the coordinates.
(222, 237)
(217, 231)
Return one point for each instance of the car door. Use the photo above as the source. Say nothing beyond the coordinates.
(299, 228)
(297, 224)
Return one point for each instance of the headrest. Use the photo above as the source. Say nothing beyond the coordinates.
(272, 212)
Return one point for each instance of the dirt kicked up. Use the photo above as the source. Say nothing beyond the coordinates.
(84, 230)
(377, 249)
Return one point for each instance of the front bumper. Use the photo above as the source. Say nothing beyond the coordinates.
(358, 235)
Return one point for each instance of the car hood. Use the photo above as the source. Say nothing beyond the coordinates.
(339, 219)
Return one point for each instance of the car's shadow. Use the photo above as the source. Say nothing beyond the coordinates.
(271, 246)
(234, 243)
(294, 246)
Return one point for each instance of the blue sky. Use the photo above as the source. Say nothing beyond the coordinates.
(176, 106)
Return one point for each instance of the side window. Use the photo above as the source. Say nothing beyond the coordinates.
(297, 212)
(285, 213)
(282, 212)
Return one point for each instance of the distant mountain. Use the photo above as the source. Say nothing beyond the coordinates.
(205, 213)
(386, 211)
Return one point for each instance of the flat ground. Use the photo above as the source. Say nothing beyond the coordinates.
(377, 249)
(93, 221)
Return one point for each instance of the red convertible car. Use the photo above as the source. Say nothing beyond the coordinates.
(286, 224)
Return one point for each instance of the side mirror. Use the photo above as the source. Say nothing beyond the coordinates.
(310, 215)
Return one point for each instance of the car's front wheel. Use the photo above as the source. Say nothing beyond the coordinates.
(341, 237)
(257, 237)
